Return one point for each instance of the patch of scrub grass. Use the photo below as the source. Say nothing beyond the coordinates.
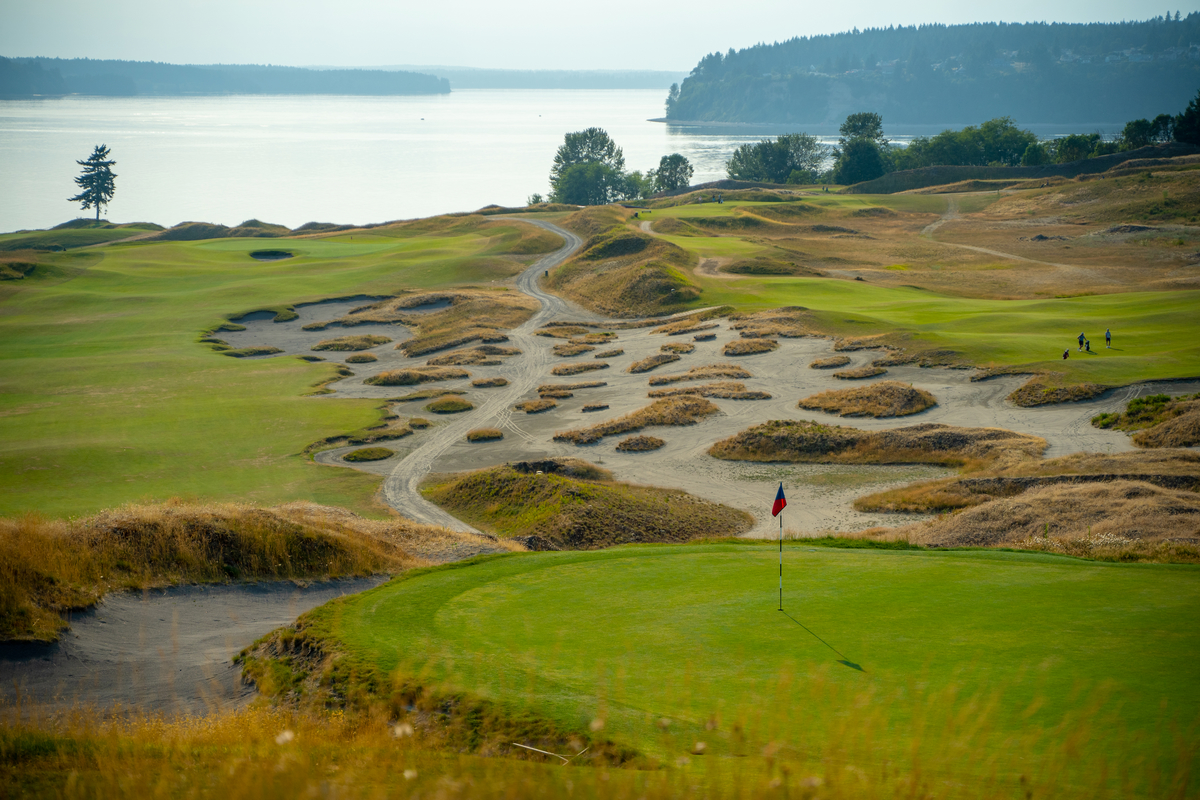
(865, 371)
(489, 383)
(652, 362)
(361, 358)
(425, 394)
(749, 347)
(249, 352)
(640, 444)
(829, 362)
(368, 454)
(683, 410)
(449, 404)
(411, 376)
(536, 406)
(852, 648)
(575, 369)
(485, 435)
(363, 341)
(1159, 420)
(883, 399)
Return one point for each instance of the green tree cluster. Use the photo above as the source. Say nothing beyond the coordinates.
(997, 142)
(791, 158)
(589, 170)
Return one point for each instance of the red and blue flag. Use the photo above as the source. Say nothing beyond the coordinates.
(780, 502)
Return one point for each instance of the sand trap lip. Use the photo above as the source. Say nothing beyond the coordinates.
(168, 650)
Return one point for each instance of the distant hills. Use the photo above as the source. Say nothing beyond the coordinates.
(32, 77)
(939, 74)
(473, 78)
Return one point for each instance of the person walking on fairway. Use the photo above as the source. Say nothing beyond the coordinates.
(1081, 339)
(1107, 339)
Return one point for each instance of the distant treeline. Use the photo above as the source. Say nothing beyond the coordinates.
(1049, 73)
(31, 77)
(468, 78)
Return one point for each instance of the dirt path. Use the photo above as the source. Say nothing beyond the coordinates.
(523, 373)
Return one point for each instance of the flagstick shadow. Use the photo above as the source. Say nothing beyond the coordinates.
(844, 661)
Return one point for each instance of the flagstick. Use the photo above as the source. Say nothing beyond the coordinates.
(781, 560)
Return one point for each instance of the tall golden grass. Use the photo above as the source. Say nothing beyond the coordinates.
(353, 342)
(51, 566)
(703, 373)
(883, 399)
(651, 362)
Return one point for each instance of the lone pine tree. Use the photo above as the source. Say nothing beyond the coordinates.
(97, 181)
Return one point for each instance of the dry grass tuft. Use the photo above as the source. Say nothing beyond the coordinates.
(883, 399)
(248, 352)
(570, 387)
(425, 394)
(536, 406)
(620, 351)
(561, 330)
(51, 566)
(865, 371)
(596, 407)
(485, 435)
(686, 410)
(361, 358)
(368, 454)
(567, 349)
(483, 355)
(640, 444)
(449, 404)
(575, 369)
(1040, 391)
(830, 362)
(652, 362)
(704, 337)
(411, 376)
(728, 390)
(488, 383)
(789, 323)
(1081, 518)
(557, 394)
(353, 342)
(814, 442)
(682, 348)
(704, 373)
(749, 347)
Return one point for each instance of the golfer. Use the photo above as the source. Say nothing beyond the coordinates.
(1107, 339)
(1081, 340)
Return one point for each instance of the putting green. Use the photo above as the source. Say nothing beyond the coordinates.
(879, 651)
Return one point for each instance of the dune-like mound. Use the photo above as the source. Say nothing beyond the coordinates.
(883, 399)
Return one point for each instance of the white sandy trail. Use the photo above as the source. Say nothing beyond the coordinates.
(400, 488)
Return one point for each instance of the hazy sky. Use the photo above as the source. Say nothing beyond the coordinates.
(519, 34)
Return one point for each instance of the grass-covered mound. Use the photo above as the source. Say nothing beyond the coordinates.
(53, 566)
(977, 672)
(1166, 468)
(76, 233)
(857, 374)
(883, 399)
(485, 435)
(652, 362)
(1158, 420)
(482, 355)
(681, 348)
(640, 444)
(578, 508)
(353, 342)
(489, 383)
(707, 372)
(449, 404)
(360, 358)
(683, 410)
(250, 352)
(814, 442)
(538, 406)
(576, 369)
(568, 349)
(369, 454)
(412, 376)
(623, 272)
(830, 362)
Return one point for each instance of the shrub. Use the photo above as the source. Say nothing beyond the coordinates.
(413, 375)
(652, 362)
(575, 369)
(682, 348)
(572, 349)
(866, 371)
(610, 353)
(488, 383)
(830, 362)
(361, 358)
(485, 435)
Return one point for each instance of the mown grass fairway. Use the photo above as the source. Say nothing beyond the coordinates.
(106, 396)
(974, 666)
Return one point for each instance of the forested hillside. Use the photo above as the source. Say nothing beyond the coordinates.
(30, 77)
(939, 74)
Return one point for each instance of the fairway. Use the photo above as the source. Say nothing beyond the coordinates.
(970, 655)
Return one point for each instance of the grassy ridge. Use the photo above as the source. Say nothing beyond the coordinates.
(973, 668)
(106, 397)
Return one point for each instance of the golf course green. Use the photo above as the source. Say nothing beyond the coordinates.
(978, 664)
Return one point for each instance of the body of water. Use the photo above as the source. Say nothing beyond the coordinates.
(291, 160)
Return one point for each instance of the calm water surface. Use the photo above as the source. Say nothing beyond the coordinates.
(292, 160)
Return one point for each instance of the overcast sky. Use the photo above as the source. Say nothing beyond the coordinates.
(518, 34)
